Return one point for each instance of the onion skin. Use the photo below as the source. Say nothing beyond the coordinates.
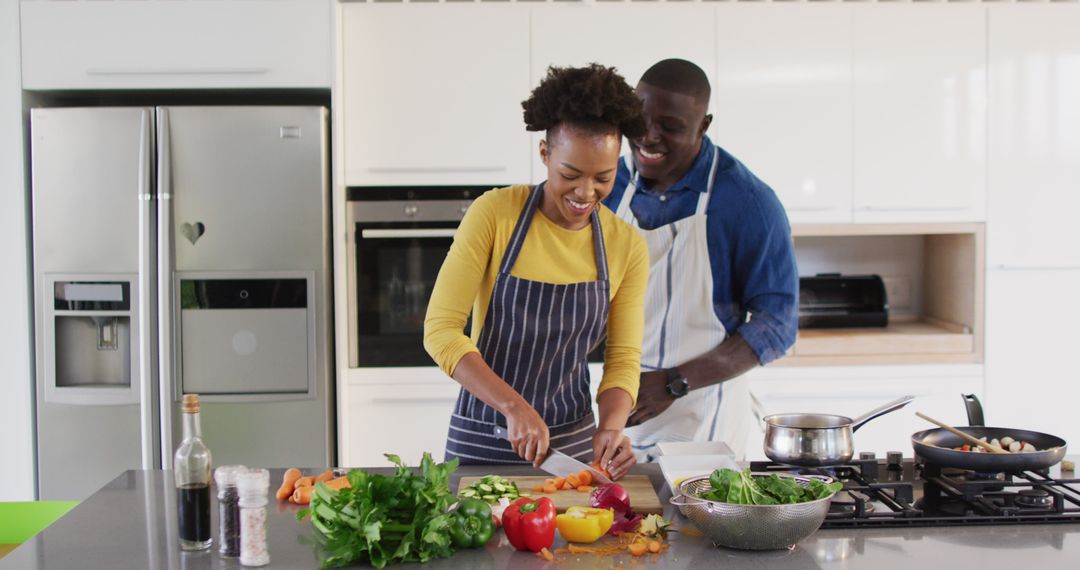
(614, 496)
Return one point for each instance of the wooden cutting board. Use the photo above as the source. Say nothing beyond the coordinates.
(643, 498)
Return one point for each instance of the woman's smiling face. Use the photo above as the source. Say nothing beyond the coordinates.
(581, 168)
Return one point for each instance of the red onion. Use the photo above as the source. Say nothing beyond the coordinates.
(615, 497)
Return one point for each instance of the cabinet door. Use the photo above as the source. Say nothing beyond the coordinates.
(1031, 380)
(853, 395)
(159, 45)
(432, 93)
(783, 102)
(402, 418)
(629, 37)
(1034, 135)
(920, 112)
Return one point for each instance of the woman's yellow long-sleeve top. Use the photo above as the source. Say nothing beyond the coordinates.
(550, 254)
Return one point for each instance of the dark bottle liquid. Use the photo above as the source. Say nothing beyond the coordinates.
(193, 504)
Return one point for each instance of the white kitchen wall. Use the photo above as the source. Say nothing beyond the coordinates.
(16, 419)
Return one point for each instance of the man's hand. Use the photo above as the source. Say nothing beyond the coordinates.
(653, 397)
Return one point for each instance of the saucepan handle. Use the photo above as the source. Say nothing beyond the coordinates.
(890, 407)
(974, 410)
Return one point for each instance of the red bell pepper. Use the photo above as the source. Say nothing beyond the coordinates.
(529, 524)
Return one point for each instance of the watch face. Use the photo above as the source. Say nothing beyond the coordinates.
(678, 387)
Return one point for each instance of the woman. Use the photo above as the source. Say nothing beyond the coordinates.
(547, 273)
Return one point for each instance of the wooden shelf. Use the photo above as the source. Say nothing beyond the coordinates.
(902, 342)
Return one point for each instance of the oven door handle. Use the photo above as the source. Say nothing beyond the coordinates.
(408, 233)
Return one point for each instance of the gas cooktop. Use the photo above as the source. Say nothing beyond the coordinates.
(896, 492)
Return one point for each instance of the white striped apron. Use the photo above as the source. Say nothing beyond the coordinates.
(536, 337)
(681, 325)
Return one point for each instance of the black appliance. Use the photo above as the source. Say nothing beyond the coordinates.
(832, 300)
(897, 492)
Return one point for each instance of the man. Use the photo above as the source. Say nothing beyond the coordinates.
(723, 288)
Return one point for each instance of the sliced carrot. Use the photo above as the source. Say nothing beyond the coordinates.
(538, 488)
(550, 489)
(585, 489)
(638, 548)
(654, 546)
(585, 477)
(546, 554)
(572, 480)
(558, 481)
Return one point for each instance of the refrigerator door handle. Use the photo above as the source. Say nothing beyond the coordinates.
(166, 366)
(147, 401)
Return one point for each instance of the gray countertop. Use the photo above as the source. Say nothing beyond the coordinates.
(131, 523)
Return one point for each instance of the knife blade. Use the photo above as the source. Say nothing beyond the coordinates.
(560, 464)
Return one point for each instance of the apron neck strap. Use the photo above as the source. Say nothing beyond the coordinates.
(631, 187)
(521, 229)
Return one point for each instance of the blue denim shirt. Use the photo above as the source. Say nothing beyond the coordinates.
(750, 247)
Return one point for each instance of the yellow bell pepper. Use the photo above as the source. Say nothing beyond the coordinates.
(584, 524)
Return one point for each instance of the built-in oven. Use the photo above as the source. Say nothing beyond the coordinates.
(398, 239)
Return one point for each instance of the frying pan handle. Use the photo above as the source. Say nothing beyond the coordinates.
(974, 410)
(890, 407)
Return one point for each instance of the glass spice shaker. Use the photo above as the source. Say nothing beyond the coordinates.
(228, 509)
(254, 485)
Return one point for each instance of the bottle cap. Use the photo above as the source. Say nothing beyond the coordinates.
(191, 403)
(226, 475)
(253, 481)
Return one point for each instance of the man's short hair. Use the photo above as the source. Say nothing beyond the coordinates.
(679, 76)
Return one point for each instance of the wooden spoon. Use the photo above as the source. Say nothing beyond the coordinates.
(970, 438)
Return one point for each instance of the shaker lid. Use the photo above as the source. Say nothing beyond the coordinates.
(226, 475)
(253, 481)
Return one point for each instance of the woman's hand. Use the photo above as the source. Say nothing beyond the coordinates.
(528, 435)
(611, 449)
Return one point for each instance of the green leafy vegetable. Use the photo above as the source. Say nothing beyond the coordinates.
(740, 487)
(385, 519)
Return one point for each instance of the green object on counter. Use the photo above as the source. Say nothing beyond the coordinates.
(21, 521)
(472, 526)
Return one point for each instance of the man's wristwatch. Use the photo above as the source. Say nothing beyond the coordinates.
(677, 384)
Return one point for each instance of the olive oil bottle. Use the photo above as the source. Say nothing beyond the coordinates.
(191, 466)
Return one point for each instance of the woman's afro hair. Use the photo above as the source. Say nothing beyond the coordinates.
(594, 98)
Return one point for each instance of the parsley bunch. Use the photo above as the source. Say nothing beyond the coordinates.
(385, 519)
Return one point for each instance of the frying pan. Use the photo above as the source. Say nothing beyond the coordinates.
(936, 446)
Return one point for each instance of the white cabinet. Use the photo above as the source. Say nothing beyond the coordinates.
(783, 102)
(920, 112)
(853, 391)
(161, 45)
(404, 411)
(1034, 130)
(1031, 379)
(432, 93)
(616, 34)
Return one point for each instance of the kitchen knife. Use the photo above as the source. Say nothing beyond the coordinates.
(560, 464)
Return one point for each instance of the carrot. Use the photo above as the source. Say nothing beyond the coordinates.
(324, 476)
(566, 486)
(287, 483)
(572, 480)
(302, 495)
(585, 489)
(654, 546)
(305, 481)
(599, 469)
(338, 484)
(549, 489)
(558, 482)
(546, 554)
(637, 548)
(584, 478)
(538, 488)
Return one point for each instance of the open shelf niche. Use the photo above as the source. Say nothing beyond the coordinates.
(934, 279)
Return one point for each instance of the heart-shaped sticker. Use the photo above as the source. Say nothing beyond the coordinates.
(193, 231)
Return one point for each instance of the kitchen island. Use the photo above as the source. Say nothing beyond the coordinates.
(131, 523)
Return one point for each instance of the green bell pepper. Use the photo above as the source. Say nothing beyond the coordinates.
(472, 525)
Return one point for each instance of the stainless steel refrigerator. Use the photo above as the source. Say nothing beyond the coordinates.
(179, 250)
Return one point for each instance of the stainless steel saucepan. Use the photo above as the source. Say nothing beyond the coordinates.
(813, 440)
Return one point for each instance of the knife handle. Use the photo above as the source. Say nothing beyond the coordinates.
(500, 432)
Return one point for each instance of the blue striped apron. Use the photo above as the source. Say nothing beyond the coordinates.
(536, 337)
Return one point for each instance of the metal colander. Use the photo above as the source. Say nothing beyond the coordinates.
(750, 527)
